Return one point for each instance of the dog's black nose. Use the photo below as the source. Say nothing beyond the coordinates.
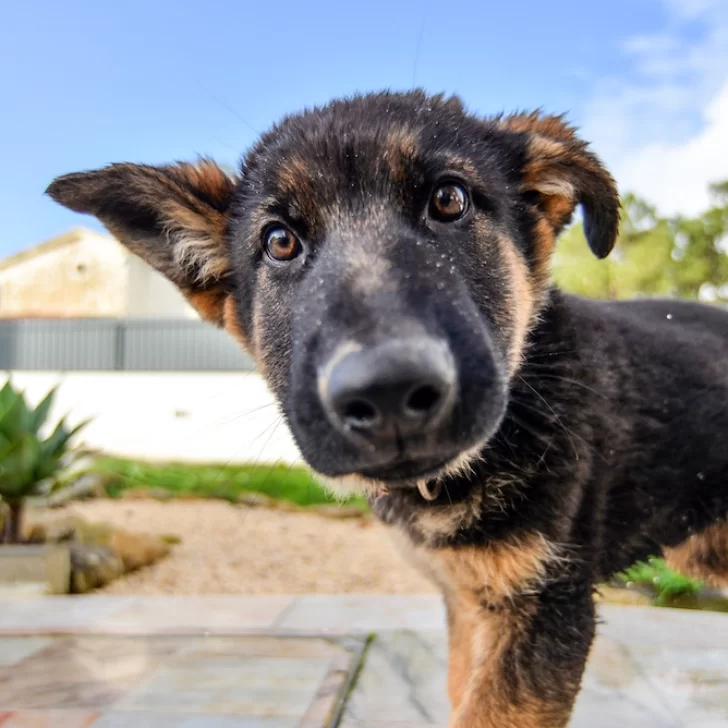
(394, 389)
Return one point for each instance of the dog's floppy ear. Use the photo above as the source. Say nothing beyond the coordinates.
(559, 173)
(174, 217)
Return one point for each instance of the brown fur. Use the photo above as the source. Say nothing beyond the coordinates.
(495, 573)
(209, 304)
(185, 204)
(534, 123)
(524, 288)
(401, 151)
(560, 172)
(294, 180)
(434, 523)
(231, 322)
(486, 699)
(460, 652)
(482, 588)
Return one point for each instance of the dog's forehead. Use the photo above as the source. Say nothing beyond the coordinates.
(359, 148)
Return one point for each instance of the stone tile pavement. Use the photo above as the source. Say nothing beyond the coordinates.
(316, 662)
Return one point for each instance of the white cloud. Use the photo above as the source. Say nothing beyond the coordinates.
(676, 176)
(665, 132)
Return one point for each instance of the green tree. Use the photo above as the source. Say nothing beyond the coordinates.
(654, 255)
(701, 247)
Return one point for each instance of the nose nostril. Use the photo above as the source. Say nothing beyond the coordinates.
(360, 413)
(423, 400)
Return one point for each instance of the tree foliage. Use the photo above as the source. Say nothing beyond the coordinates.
(654, 256)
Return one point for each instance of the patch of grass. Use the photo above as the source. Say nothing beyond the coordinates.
(664, 583)
(227, 482)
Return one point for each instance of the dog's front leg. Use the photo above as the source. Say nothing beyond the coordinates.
(461, 626)
(519, 664)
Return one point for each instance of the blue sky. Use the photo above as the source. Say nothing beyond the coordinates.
(84, 83)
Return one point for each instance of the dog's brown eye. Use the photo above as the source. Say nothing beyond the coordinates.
(449, 202)
(282, 245)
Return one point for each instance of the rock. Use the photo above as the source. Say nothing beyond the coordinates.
(47, 527)
(92, 567)
(137, 549)
(134, 549)
(45, 564)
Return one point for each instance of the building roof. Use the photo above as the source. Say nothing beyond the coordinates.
(67, 238)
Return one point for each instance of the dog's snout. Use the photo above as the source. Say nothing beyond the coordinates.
(399, 388)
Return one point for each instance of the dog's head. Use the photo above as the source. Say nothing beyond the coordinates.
(382, 258)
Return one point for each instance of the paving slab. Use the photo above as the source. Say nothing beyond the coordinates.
(276, 662)
(106, 681)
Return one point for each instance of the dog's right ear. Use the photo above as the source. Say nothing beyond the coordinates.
(174, 217)
(560, 172)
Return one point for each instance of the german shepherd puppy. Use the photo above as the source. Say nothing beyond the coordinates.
(385, 260)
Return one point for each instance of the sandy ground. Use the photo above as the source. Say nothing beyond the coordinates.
(234, 549)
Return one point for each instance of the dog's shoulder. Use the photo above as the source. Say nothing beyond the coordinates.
(651, 325)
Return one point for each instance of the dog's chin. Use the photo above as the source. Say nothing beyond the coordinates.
(406, 472)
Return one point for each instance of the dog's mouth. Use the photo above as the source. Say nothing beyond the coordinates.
(404, 473)
(429, 490)
(408, 474)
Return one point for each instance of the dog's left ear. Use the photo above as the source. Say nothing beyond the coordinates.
(559, 173)
(175, 217)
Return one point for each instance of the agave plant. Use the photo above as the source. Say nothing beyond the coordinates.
(27, 460)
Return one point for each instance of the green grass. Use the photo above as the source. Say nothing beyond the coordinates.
(664, 583)
(227, 482)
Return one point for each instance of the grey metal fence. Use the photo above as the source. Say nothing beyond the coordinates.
(118, 344)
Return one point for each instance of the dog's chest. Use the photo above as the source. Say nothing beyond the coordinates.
(487, 575)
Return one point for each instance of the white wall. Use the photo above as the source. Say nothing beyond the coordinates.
(187, 417)
(150, 294)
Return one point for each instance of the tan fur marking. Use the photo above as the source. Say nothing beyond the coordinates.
(348, 485)
(209, 304)
(460, 653)
(544, 173)
(231, 323)
(401, 149)
(197, 229)
(502, 570)
(294, 178)
(522, 304)
(545, 239)
(703, 556)
(558, 210)
(438, 521)
(550, 126)
(258, 322)
(485, 699)
(480, 585)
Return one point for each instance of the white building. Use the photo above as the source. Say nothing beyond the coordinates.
(85, 274)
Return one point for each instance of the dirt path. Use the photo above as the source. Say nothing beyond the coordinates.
(232, 549)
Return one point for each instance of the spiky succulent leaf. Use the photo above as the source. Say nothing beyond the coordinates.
(54, 448)
(15, 417)
(40, 413)
(17, 466)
